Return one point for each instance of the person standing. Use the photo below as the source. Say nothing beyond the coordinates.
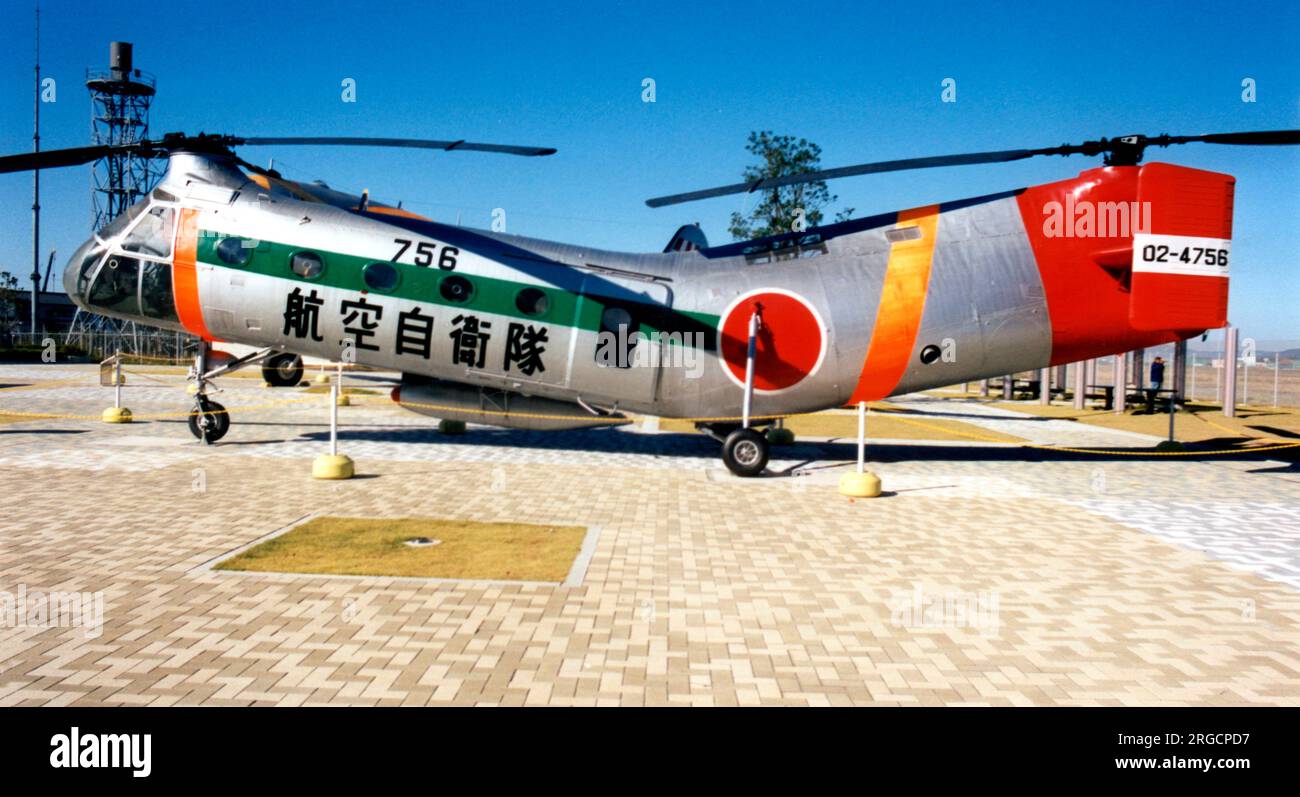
(1157, 381)
(1157, 373)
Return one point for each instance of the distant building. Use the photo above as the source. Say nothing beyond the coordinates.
(55, 312)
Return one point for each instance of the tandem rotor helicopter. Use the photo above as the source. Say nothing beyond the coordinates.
(510, 331)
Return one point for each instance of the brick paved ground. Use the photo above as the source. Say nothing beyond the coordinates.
(1090, 580)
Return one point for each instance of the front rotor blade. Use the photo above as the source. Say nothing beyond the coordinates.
(413, 143)
(54, 158)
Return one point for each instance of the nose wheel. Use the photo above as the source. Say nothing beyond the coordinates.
(209, 421)
(745, 452)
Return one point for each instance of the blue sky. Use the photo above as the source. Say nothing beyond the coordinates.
(860, 79)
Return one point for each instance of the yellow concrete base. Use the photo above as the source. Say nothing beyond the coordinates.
(192, 389)
(860, 485)
(321, 379)
(343, 400)
(331, 466)
(116, 415)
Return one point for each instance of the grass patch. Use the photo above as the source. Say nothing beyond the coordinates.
(377, 547)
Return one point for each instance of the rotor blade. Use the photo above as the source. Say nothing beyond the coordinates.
(54, 158)
(415, 143)
(1261, 137)
(1130, 146)
(1000, 156)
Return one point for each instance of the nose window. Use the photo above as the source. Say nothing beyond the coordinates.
(87, 268)
(156, 292)
(152, 236)
(115, 286)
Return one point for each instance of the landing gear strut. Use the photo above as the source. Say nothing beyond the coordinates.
(209, 421)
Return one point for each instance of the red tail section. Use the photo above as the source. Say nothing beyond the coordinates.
(1180, 265)
(1131, 256)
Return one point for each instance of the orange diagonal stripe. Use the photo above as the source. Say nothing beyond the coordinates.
(185, 278)
(902, 300)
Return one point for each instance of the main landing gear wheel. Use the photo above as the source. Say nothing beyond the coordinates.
(745, 452)
(282, 370)
(209, 422)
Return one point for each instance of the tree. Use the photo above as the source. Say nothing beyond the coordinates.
(8, 300)
(789, 208)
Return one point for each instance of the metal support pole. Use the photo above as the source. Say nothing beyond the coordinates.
(1121, 383)
(1191, 393)
(117, 380)
(1173, 409)
(1008, 387)
(984, 387)
(1230, 372)
(1080, 385)
(749, 369)
(334, 419)
(862, 436)
(1179, 383)
(1277, 358)
(1044, 386)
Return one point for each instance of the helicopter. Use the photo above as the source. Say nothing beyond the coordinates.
(511, 331)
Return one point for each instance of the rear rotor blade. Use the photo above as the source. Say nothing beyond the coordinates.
(1119, 151)
(413, 143)
(1000, 156)
(1258, 137)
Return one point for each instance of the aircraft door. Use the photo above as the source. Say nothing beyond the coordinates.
(617, 353)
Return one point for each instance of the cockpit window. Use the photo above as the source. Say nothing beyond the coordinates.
(115, 285)
(87, 268)
(115, 227)
(156, 292)
(153, 235)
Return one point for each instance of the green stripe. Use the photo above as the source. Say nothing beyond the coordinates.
(420, 284)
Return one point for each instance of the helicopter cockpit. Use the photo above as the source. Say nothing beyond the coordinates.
(125, 269)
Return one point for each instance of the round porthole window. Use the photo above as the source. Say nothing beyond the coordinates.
(380, 276)
(615, 318)
(306, 264)
(234, 252)
(532, 302)
(930, 354)
(456, 289)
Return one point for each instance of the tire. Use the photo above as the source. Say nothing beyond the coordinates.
(210, 421)
(745, 452)
(282, 370)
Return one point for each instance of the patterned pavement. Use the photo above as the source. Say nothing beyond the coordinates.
(986, 575)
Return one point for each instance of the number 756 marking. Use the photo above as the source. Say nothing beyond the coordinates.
(424, 253)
